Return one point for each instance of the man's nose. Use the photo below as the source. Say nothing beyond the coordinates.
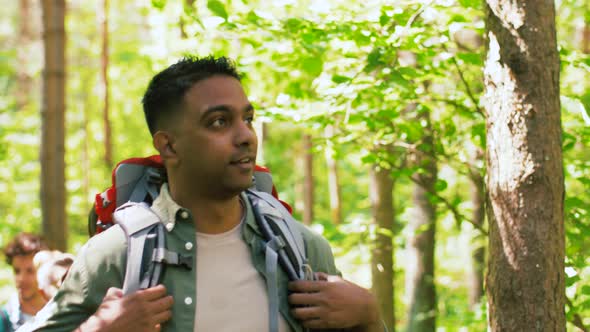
(245, 134)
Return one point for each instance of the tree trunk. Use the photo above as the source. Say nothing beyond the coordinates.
(104, 69)
(420, 276)
(53, 191)
(381, 195)
(307, 180)
(526, 279)
(333, 184)
(476, 273)
(25, 36)
(261, 132)
(86, 104)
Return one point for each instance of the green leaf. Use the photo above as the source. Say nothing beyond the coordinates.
(294, 89)
(458, 18)
(373, 59)
(217, 8)
(340, 79)
(408, 72)
(470, 3)
(398, 78)
(569, 141)
(159, 4)
(440, 185)
(313, 66)
(369, 159)
(384, 19)
(471, 58)
(569, 281)
(252, 17)
(293, 25)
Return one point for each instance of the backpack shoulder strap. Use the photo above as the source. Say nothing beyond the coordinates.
(285, 245)
(280, 223)
(146, 247)
(137, 221)
(262, 181)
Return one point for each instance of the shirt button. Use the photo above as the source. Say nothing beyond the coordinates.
(184, 214)
(188, 246)
(169, 226)
(188, 301)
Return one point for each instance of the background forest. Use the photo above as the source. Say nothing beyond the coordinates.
(369, 115)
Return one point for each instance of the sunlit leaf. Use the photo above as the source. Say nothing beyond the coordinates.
(440, 185)
(217, 8)
(340, 79)
(159, 4)
(312, 66)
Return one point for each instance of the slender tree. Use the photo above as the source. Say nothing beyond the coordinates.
(526, 279)
(25, 37)
(308, 187)
(104, 75)
(381, 195)
(420, 275)
(333, 182)
(53, 191)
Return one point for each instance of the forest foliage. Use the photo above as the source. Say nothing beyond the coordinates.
(365, 69)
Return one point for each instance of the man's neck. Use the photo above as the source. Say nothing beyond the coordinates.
(211, 215)
(32, 305)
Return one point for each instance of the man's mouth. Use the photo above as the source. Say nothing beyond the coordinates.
(244, 161)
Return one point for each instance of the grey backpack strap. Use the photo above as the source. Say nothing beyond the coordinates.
(147, 185)
(275, 220)
(284, 245)
(137, 220)
(262, 181)
(272, 281)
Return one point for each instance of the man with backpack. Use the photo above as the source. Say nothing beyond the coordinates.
(28, 299)
(222, 247)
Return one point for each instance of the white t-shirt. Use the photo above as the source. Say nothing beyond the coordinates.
(231, 294)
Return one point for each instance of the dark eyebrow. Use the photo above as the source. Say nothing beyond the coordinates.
(226, 108)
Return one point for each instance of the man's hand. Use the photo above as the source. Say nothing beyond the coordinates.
(143, 311)
(332, 302)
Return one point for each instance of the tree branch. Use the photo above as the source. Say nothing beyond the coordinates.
(466, 85)
(577, 320)
(458, 216)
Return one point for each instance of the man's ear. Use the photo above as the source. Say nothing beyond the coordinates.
(164, 142)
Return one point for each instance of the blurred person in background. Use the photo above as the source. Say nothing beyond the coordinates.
(28, 298)
(52, 267)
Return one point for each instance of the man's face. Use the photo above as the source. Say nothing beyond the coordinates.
(25, 277)
(216, 144)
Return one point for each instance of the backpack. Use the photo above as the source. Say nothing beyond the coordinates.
(135, 185)
(139, 180)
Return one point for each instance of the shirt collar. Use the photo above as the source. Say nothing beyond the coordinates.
(16, 316)
(168, 210)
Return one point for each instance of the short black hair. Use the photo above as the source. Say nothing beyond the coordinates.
(24, 244)
(166, 90)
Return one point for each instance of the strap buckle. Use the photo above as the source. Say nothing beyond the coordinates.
(161, 255)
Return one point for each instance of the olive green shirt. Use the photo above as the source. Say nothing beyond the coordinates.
(101, 264)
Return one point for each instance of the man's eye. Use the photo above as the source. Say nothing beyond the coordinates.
(249, 119)
(219, 123)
